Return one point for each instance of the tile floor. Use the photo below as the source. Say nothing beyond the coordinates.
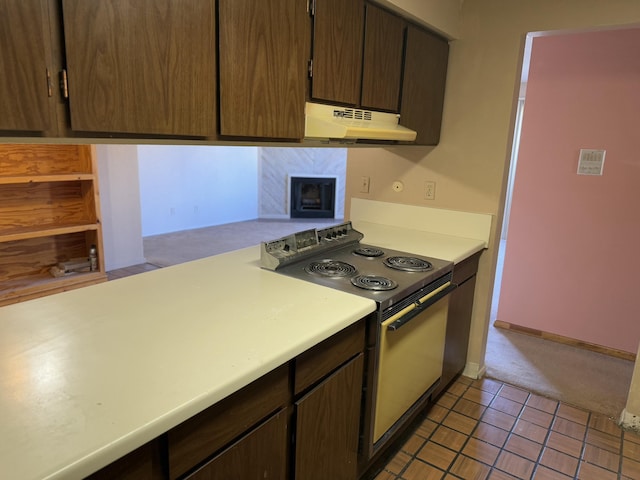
(487, 430)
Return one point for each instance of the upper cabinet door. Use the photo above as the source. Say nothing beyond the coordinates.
(425, 74)
(264, 49)
(25, 57)
(141, 66)
(382, 61)
(337, 50)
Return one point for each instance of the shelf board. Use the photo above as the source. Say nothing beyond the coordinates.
(46, 231)
(33, 286)
(65, 177)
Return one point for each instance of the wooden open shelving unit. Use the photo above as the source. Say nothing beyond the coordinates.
(49, 213)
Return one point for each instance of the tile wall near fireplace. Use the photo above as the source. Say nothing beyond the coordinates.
(277, 165)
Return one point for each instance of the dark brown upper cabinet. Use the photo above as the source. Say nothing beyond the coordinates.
(382, 59)
(337, 50)
(425, 74)
(26, 83)
(264, 49)
(141, 66)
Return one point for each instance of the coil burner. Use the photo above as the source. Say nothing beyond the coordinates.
(331, 268)
(373, 282)
(408, 264)
(368, 252)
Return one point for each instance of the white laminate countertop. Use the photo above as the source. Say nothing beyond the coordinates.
(428, 244)
(89, 375)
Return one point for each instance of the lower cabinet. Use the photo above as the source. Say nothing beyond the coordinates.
(144, 463)
(328, 425)
(204, 436)
(259, 455)
(459, 321)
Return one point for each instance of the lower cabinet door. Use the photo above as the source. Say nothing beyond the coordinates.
(328, 424)
(259, 455)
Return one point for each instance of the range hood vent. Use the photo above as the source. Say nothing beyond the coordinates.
(328, 122)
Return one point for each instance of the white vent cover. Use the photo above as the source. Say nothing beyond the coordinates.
(333, 122)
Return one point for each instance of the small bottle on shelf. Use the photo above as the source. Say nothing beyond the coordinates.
(93, 258)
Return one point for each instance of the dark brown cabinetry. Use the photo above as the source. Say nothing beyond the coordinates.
(144, 463)
(368, 57)
(197, 439)
(327, 426)
(158, 68)
(382, 60)
(459, 321)
(337, 50)
(263, 63)
(425, 73)
(141, 67)
(261, 455)
(328, 414)
(26, 87)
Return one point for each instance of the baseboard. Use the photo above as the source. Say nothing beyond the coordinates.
(612, 352)
(629, 421)
(474, 370)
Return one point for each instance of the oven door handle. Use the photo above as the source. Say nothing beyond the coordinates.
(403, 317)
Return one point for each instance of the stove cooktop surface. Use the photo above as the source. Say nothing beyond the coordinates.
(370, 276)
(335, 257)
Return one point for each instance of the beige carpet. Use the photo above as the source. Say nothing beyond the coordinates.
(578, 377)
(585, 379)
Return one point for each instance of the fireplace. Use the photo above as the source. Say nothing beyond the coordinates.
(313, 197)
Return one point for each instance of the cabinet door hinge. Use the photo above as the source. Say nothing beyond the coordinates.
(64, 84)
(49, 86)
(310, 68)
(311, 7)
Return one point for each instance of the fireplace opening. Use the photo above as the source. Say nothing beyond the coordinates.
(313, 197)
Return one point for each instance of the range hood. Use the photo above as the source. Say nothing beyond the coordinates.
(328, 122)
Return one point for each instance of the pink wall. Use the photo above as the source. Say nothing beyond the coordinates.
(572, 264)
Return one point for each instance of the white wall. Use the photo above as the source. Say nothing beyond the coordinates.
(184, 187)
(120, 205)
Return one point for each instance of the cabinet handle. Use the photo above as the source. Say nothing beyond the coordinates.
(64, 84)
(49, 86)
(403, 317)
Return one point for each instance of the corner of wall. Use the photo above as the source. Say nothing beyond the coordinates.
(629, 421)
(474, 370)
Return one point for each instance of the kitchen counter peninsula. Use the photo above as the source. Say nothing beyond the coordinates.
(89, 375)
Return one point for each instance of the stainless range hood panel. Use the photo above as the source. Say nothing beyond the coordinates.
(333, 122)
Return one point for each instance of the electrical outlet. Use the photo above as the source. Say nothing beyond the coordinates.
(430, 190)
(364, 184)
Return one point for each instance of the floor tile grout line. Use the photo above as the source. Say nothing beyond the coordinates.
(543, 446)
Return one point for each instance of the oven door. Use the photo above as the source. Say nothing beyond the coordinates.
(410, 357)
